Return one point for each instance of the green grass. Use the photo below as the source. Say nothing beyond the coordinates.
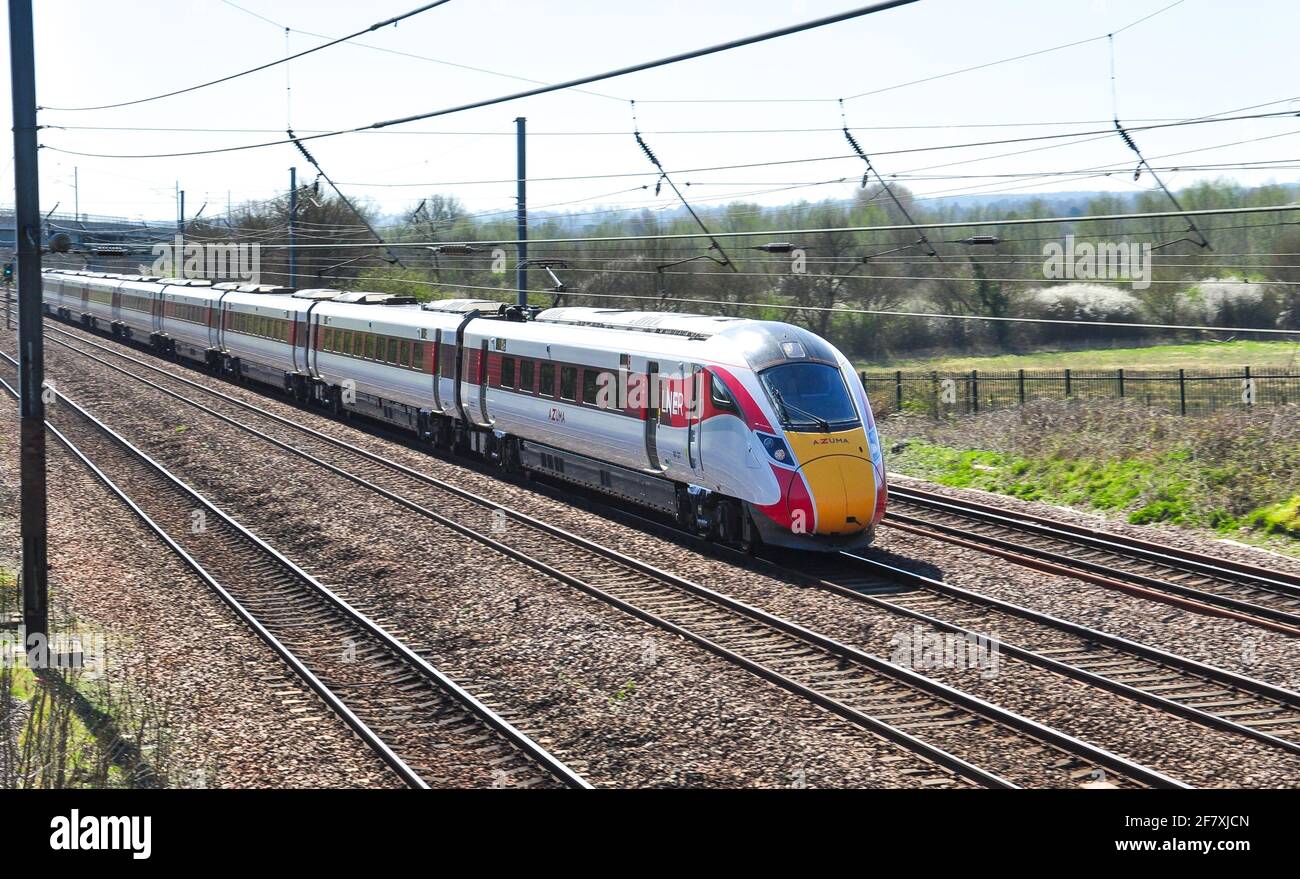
(1234, 473)
(1282, 518)
(1165, 488)
(1198, 355)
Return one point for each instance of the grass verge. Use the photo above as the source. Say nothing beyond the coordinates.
(1196, 355)
(1235, 473)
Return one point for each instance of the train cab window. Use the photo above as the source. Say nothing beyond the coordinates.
(590, 386)
(546, 379)
(810, 396)
(569, 383)
(392, 351)
(507, 372)
(721, 396)
(526, 375)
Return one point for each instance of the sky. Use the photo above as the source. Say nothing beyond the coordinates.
(1198, 58)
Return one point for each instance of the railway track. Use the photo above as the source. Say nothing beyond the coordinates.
(1208, 695)
(425, 727)
(1268, 599)
(1212, 696)
(952, 730)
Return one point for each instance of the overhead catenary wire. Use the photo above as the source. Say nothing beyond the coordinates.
(663, 176)
(1274, 331)
(584, 80)
(413, 55)
(1097, 133)
(932, 78)
(202, 85)
(947, 224)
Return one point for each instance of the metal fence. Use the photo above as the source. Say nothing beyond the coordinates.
(1185, 391)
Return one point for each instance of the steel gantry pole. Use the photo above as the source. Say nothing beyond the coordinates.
(31, 353)
(521, 212)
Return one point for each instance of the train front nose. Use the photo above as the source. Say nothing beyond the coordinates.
(840, 480)
(843, 492)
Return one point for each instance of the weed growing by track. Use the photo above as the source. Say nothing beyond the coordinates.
(67, 728)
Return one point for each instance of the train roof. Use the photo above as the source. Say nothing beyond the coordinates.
(762, 343)
(699, 326)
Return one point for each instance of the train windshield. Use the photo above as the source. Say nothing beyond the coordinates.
(810, 396)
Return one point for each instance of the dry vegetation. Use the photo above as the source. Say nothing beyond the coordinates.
(1237, 472)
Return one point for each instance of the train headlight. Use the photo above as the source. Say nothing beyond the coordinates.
(775, 448)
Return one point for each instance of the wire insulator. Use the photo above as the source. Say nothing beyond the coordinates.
(649, 153)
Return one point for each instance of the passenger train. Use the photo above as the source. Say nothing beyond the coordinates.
(749, 432)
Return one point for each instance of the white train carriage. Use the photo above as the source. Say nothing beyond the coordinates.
(189, 323)
(744, 429)
(75, 297)
(258, 329)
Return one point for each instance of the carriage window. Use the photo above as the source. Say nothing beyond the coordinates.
(569, 382)
(404, 353)
(546, 379)
(590, 386)
(526, 375)
(370, 346)
(507, 372)
(417, 356)
(327, 339)
(392, 350)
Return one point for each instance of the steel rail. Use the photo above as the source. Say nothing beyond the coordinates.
(490, 718)
(978, 706)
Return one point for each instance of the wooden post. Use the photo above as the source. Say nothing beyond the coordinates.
(1119, 380)
(974, 391)
(1020, 386)
(898, 390)
(1067, 383)
(1182, 392)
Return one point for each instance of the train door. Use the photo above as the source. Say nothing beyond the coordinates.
(216, 316)
(678, 430)
(694, 410)
(481, 380)
(652, 414)
(436, 369)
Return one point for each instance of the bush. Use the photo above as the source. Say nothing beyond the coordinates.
(1088, 302)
